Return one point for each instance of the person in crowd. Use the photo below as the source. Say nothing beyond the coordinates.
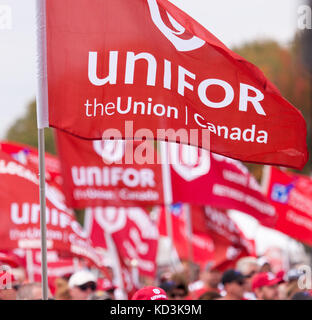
(31, 291)
(62, 291)
(210, 295)
(106, 286)
(167, 285)
(248, 266)
(291, 286)
(150, 293)
(100, 295)
(265, 286)
(179, 289)
(264, 265)
(82, 284)
(234, 285)
(190, 270)
(210, 278)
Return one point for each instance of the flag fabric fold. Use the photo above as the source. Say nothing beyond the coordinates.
(159, 69)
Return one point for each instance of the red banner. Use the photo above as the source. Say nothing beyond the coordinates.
(96, 173)
(291, 194)
(202, 244)
(20, 215)
(147, 62)
(203, 178)
(134, 234)
(215, 236)
(230, 242)
(28, 155)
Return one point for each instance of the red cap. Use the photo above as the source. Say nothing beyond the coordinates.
(105, 284)
(280, 274)
(150, 293)
(265, 279)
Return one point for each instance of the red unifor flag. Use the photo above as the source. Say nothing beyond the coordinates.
(107, 62)
(28, 155)
(133, 232)
(291, 194)
(230, 242)
(215, 236)
(101, 173)
(101, 223)
(20, 215)
(202, 178)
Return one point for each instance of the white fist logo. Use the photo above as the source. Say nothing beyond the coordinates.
(111, 219)
(110, 151)
(188, 161)
(173, 35)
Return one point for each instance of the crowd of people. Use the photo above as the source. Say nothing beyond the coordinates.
(250, 280)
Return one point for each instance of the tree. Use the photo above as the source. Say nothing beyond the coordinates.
(284, 67)
(24, 130)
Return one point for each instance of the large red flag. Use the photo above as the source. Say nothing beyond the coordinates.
(28, 155)
(291, 194)
(20, 212)
(134, 234)
(203, 178)
(100, 173)
(147, 62)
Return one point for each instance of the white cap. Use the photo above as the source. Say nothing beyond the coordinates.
(81, 277)
(262, 261)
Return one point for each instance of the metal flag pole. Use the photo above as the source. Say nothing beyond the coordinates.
(167, 188)
(42, 121)
(43, 223)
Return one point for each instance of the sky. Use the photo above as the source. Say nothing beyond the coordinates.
(233, 22)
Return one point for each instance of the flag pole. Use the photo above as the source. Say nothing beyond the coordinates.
(43, 222)
(167, 189)
(42, 122)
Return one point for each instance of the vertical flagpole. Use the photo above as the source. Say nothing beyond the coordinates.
(42, 121)
(43, 223)
(167, 188)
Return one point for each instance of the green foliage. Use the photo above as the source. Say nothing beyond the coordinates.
(24, 130)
